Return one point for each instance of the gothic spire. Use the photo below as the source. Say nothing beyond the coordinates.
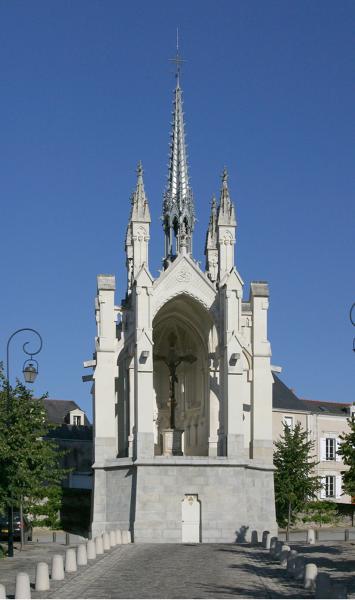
(226, 212)
(140, 208)
(211, 237)
(211, 246)
(178, 205)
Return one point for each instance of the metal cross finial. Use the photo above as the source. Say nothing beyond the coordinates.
(177, 60)
(140, 168)
(225, 176)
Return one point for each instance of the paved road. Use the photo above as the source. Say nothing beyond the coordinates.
(180, 571)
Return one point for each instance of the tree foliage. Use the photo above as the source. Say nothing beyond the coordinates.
(320, 512)
(295, 482)
(29, 463)
(347, 451)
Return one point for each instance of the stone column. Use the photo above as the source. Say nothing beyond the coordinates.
(131, 404)
(232, 367)
(143, 367)
(105, 422)
(213, 411)
(261, 443)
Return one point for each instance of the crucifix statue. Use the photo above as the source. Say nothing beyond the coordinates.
(172, 361)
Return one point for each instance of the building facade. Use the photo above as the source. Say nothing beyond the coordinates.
(325, 422)
(182, 383)
(72, 432)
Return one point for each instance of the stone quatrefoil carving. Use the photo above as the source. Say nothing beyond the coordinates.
(183, 275)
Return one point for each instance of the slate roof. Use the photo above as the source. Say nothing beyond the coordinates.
(58, 410)
(331, 408)
(284, 398)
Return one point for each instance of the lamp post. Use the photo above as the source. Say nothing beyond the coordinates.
(30, 372)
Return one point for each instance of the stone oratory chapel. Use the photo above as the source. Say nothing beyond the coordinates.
(182, 383)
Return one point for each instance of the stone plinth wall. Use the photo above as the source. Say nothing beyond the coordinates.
(146, 497)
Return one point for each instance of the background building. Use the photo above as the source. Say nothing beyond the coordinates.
(325, 422)
(72, 433)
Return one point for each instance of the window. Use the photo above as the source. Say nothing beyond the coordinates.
(330, 448)
(76, 420)
(289, 422)
(330, 486)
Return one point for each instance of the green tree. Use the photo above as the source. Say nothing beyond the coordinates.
(30, 472)
(320, 512)
(295, 482)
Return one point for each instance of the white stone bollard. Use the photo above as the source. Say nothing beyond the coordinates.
(22, 588)
(2, 592)
(310, 576)
(300, 565)
(323, 586)
(311, 536)
(118, 536)
(90, 549)
(273, 545)
(70, 561)
(112, 538)
(106, 541)
(99, 546)
(291, 563)
(285, 551)
(126, 537)
(42, 577)
(81, 556)
(57, 571)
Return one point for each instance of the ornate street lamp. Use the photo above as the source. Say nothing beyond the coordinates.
(30, 372)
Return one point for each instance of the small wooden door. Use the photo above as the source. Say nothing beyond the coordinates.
(191, 519)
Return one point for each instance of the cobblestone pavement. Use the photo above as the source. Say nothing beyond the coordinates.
(26, 560)
(182, 571)
(168, 571)
(335, 558)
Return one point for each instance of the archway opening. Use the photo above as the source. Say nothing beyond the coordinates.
(181, 376)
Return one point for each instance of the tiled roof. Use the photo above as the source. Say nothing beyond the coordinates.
(284, 398)
(58, 410)
(330, 408)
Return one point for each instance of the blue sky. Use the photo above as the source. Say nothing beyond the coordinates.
(86, 92)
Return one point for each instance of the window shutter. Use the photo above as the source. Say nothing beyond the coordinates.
(338, 486)
(338, 442)
(322, 448)
(322, 490)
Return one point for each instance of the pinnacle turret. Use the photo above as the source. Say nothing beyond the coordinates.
(137, 234)
(140, 208)
(226, 212)
(211, 246)
(211, 237)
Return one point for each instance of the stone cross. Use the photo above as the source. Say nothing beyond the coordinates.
(172, 361)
